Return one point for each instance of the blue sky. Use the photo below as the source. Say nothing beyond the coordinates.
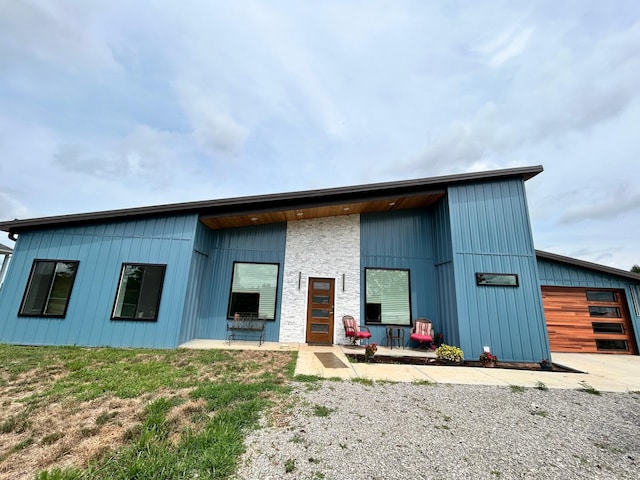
(116, 104)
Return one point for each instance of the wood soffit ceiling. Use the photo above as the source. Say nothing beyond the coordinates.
(277, 215)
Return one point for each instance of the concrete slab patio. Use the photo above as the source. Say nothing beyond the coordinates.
(607, 373)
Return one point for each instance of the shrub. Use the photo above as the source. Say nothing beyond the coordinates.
(450, 353)
(488, 357)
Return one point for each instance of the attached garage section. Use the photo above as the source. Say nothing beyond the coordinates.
(588, 320)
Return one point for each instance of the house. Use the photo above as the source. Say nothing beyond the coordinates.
(6, 254)
(456, 249)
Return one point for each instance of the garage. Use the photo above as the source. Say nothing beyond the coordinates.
(588, 320)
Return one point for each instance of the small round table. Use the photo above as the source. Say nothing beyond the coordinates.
(395, 335)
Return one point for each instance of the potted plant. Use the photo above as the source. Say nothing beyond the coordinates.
(449, 354)
(488, 359)
(545, 364)
(369, 351)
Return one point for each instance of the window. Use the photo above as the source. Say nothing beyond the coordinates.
(601, 296)
(49, 288)
(603, 327)
(497, 279)
(634, 299)
(611, 312)
(387, 296)
(138, 296)
(612, 345)
(254, 289)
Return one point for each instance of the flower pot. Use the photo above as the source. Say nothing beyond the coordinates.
(546, 367)
(488, 364)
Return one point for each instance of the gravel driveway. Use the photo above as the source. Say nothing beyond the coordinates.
(352, 430)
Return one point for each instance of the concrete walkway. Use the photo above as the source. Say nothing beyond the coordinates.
(607, 373)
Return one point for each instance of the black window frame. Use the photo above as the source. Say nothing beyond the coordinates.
(27, 289)
(593, 311)
(231, 313)
(119, 288)
(592, 296)
(612, 345)
(609, 328)
(371, 306)
(483, 281)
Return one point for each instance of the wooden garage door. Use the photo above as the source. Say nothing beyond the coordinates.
(584, 320)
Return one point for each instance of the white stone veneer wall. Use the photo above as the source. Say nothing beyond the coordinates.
(327, 248)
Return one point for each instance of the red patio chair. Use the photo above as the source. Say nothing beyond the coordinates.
(422, 332)
(353, 331)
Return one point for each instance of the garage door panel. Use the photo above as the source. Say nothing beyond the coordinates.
(572, 312)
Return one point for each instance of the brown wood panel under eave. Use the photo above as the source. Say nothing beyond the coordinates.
(258, 217)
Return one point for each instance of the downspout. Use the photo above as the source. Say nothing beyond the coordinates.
(12, 236)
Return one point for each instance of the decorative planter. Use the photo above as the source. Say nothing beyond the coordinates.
(546, 367)
(488, 364)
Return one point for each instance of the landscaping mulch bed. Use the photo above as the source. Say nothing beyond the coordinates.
(412, 360)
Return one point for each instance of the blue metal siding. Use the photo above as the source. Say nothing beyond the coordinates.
(402, 239)
(195, 295)
(491, 233)
(101, 250)
(261, 244)
(445, 275)
(196, 285)
(562, 275)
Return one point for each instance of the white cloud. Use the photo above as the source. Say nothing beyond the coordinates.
(605, 202)
(54, 33)
(212, 128)
(146, 155)
(507, 45)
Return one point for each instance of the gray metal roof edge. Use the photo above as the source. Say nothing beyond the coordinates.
(4, 250)
(588, 265)
(276, 198)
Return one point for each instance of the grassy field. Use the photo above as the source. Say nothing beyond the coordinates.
(105, 413)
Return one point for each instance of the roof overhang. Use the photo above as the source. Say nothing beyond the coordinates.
(319, 208)
(281, 207)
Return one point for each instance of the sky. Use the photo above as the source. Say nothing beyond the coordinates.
(117, 104)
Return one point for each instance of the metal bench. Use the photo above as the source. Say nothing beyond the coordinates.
(245, 326)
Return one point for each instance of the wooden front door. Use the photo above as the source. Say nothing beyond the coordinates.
(320, 311)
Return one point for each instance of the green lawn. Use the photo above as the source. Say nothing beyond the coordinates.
(108, 413)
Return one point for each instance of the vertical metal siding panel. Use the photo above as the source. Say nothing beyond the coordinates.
(263, 243)
(13, 287)
(198, 280)
(402, 239)
(447, 321)
(561, 275)
(635, 318)
(490, 232)
(101, 250)
(194, 296)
